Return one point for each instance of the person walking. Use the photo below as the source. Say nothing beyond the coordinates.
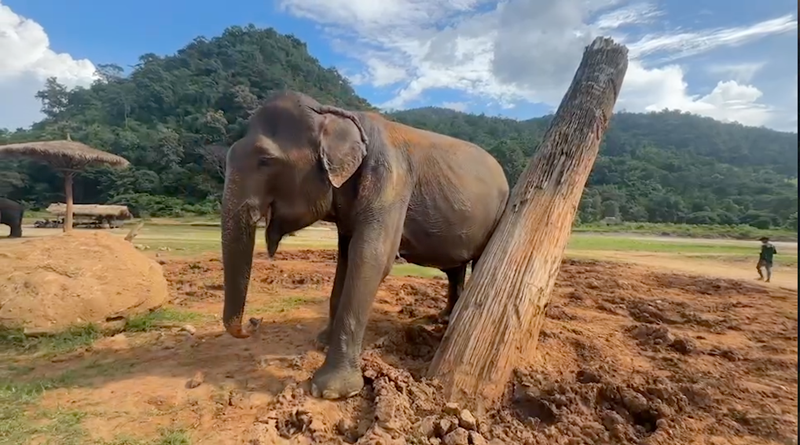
(765, 258)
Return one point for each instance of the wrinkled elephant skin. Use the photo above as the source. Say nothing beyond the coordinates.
(11, 215)
(392, 190)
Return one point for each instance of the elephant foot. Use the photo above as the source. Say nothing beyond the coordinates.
(321, 341)
(336, 382)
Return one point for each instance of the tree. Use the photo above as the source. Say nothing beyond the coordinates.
(158, 115)
(502, 309)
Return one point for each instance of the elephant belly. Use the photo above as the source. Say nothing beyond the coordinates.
(445, 241)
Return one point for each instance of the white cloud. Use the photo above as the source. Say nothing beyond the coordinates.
(740, 72)
(457, 106)
(527, 50)
(660, 88)
(26, 61)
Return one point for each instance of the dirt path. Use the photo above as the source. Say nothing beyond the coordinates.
(785, 277)
(627, 356)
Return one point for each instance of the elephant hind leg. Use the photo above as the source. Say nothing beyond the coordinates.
(455, 285)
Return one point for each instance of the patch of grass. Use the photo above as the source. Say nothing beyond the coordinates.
(20, 420)
(632, 244)
(412, 270)
(14, 339)
(168, 436)
(174, 437)
(284, 304)
(783, 260)
(741, 232)
(160, 317)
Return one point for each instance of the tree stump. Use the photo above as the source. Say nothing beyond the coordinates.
(498, 317)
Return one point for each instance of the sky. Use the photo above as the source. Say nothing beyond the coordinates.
(732, 60)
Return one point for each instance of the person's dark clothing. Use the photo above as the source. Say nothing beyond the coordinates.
(767, 252)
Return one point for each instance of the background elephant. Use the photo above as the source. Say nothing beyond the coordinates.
(11, 215)
(388, 187)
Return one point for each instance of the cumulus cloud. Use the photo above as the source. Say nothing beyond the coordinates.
(506, 52)
(26, 61)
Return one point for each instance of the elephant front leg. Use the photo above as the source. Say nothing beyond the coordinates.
(371, 255)
(338, 285)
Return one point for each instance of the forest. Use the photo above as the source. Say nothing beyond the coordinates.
(168, 112)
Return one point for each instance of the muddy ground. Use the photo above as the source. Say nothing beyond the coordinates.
(628, 355)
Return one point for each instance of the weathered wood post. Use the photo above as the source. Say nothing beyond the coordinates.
(502, 309)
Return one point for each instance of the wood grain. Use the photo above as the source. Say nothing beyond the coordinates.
(499, 315)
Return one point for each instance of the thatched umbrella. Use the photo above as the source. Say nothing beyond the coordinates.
(68, 157)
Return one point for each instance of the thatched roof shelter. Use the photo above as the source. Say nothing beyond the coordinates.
(66, 156)
(63, 155)
(113, 211)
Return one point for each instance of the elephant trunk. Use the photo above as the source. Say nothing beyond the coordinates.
(239, 217)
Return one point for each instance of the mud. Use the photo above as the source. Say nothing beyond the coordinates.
(627, 356)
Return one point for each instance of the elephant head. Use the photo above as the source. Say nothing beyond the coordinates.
(283, 170)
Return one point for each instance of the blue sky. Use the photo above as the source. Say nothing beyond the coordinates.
(731, 60)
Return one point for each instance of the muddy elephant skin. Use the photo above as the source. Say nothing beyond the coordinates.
(390, 189)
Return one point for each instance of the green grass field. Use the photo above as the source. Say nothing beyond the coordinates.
(176, 238)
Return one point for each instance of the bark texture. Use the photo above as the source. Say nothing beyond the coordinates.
(499, 315)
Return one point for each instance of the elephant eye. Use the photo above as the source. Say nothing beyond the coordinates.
(264, 161)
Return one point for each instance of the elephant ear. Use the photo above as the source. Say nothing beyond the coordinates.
(343, 143)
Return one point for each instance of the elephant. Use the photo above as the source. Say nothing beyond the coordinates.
(11, 215)
(391, 190)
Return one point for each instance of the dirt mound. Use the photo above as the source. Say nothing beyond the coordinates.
(53, 282)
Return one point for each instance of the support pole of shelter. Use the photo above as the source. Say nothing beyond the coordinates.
(498, 317)
(68, 176)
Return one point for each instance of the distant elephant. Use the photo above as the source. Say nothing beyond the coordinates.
(392, 190)
(11, 215)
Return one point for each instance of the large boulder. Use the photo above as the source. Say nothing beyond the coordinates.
(52, 282)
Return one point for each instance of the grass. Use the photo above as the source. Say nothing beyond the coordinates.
(161, 317)
(167, 436)
(741, 232)
(14, 339)
(20, 420)
(632, 244)
(412, 270)
(81, 336)
(284, 304)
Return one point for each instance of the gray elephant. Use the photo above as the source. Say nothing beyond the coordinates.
(388, 187)
(11, 215)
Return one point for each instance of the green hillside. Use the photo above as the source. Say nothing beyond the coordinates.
(663, 167)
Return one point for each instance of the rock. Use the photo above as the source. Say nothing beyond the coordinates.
(196, 381)
(427, 427)
(683, 345)
(588, 376)
(434, 441)
(443, 427)
(451, 408)
(475, 438)
(458, 436)
(316, 426)
(344, 426)
(188, 328)
(466, 420)
(496, 442)
(611, 419)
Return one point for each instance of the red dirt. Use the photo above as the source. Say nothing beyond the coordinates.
(627, 356)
